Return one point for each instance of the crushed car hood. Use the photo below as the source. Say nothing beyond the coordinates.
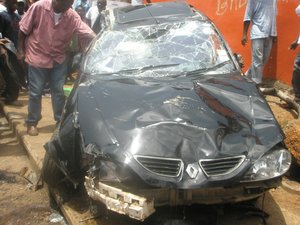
(186, 118)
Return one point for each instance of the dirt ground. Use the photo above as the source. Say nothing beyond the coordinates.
(289, 123)
(21, 204)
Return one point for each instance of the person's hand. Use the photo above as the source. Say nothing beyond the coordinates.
(294, 45)
(244, 40)
(3, 41)
(274, 39)
(2, 50)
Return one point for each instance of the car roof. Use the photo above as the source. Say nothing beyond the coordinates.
(152, 14)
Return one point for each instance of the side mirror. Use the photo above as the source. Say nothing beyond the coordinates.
(239, 59)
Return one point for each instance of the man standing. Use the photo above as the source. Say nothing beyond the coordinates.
(9, 28)
(262, 14)
(94, 12)
(21, 7)
(48, 27)
(296, 70)
(10, 21)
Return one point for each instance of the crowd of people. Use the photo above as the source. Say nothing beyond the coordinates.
(48, 27)
(55, 30)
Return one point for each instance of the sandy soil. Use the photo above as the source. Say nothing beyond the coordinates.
(289, 123)
(20, 204)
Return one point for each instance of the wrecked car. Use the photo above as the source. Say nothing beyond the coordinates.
(161, 115)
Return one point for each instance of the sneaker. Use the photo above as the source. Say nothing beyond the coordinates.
(32, 130)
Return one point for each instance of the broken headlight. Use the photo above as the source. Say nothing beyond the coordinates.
(271, 165)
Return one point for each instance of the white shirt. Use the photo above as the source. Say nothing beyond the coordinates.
(262, 14)
(56, 17)
(298, 10)
(92, 14)
(2, 8)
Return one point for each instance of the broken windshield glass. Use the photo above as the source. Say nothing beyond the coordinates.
(189, 46)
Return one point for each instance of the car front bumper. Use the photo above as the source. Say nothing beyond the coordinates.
(141, 204)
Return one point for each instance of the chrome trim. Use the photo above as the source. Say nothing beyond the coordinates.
(241, 160)
(160, 158)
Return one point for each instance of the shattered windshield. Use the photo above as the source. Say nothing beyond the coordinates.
(178, 47)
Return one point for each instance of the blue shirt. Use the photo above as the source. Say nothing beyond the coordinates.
(84, 3)
(9, 26)
(262, 14)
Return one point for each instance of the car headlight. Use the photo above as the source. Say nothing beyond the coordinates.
(271, 165)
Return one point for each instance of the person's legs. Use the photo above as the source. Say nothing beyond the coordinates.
(37, 78)
(296, 78)
(257, 60)
(56, 81)
(12, 89)
(268, 43)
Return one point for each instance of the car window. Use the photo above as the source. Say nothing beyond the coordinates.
(179, 47)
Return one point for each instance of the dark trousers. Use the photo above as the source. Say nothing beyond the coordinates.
(12, 89)
(296, 77)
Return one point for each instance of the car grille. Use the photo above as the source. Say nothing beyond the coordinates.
(168, 167)
(222, 166)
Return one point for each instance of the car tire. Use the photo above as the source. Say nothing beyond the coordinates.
(51, 173)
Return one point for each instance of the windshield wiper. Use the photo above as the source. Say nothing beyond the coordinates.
(140, 69)
(147, 68)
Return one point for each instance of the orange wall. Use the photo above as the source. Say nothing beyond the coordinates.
(228, 16)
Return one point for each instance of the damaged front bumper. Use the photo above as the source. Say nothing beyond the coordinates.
(117, 200)
(141, 205)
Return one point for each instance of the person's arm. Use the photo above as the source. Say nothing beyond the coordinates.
(245, 32)
(21, 46)
(25, 28)
(85, 34)
(249, 14)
